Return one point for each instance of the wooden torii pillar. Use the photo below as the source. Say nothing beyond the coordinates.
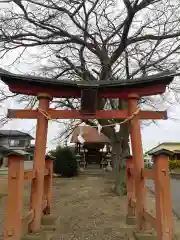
(37, 186)
(138, 158)
(46, 89)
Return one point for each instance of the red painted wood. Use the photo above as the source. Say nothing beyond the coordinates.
(37, 184)
(138, 159)
(130, 186)
(14, 210)
(75, 114)
(29, 89)
(164, 218)
(107, 92)
(123, 93)
(48, 186)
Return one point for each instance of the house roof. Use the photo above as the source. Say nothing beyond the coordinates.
(176, 151)
(14, 133)
(161, 152)
(162, 144)
(17, 153)
(89, 134)
(8, 77)
(6, 151)
(3, 149)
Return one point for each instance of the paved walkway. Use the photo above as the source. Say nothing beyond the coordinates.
(88, 209)
(175, 194)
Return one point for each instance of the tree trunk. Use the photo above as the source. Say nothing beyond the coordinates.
(116, 167)
(120, 149)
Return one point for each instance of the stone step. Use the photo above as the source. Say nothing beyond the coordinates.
(48, 220)
(48, 227)
(33, 236)
(130, 229)
(47, 232)
(144, 235)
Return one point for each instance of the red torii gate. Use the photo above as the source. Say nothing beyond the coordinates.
(45, 89)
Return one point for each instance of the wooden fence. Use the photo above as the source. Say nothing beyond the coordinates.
(162, 221)
(14, 212)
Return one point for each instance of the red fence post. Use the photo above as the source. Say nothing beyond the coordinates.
(130, 218)
(163, 195)
(48, 184)
(14, 210)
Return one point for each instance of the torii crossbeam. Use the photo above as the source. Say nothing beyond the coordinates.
(76, 114)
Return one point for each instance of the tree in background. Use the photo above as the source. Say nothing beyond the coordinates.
(95, 40)
(65, 163)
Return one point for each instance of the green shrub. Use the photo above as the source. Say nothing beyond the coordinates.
(65, 162)
(148, 165)
(174, 164)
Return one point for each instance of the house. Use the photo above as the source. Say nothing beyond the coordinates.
(148, 159)
(15, 140)
(171, 146)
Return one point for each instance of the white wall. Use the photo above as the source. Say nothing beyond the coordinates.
(28, 164)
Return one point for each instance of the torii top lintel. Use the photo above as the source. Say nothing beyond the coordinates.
(31, 85)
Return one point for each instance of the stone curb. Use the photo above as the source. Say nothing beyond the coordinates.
(175, 175)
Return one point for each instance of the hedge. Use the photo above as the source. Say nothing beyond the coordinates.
(174, 164)
(65, 163)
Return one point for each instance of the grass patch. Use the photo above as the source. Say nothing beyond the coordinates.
(3, 172)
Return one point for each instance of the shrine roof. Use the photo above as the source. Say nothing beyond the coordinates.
(165, 77)
(89, 134)
(32, 85)
(8, 77)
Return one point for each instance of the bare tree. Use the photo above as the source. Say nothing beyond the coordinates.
(94, 40)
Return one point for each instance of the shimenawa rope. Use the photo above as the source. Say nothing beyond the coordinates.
(48, 117)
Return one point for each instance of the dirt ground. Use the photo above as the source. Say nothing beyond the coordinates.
(88, 209)
(86, 206)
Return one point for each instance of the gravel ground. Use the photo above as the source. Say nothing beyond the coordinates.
(86, 206)
(88, 209)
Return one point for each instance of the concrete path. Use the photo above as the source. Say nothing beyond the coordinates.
(175, 194)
